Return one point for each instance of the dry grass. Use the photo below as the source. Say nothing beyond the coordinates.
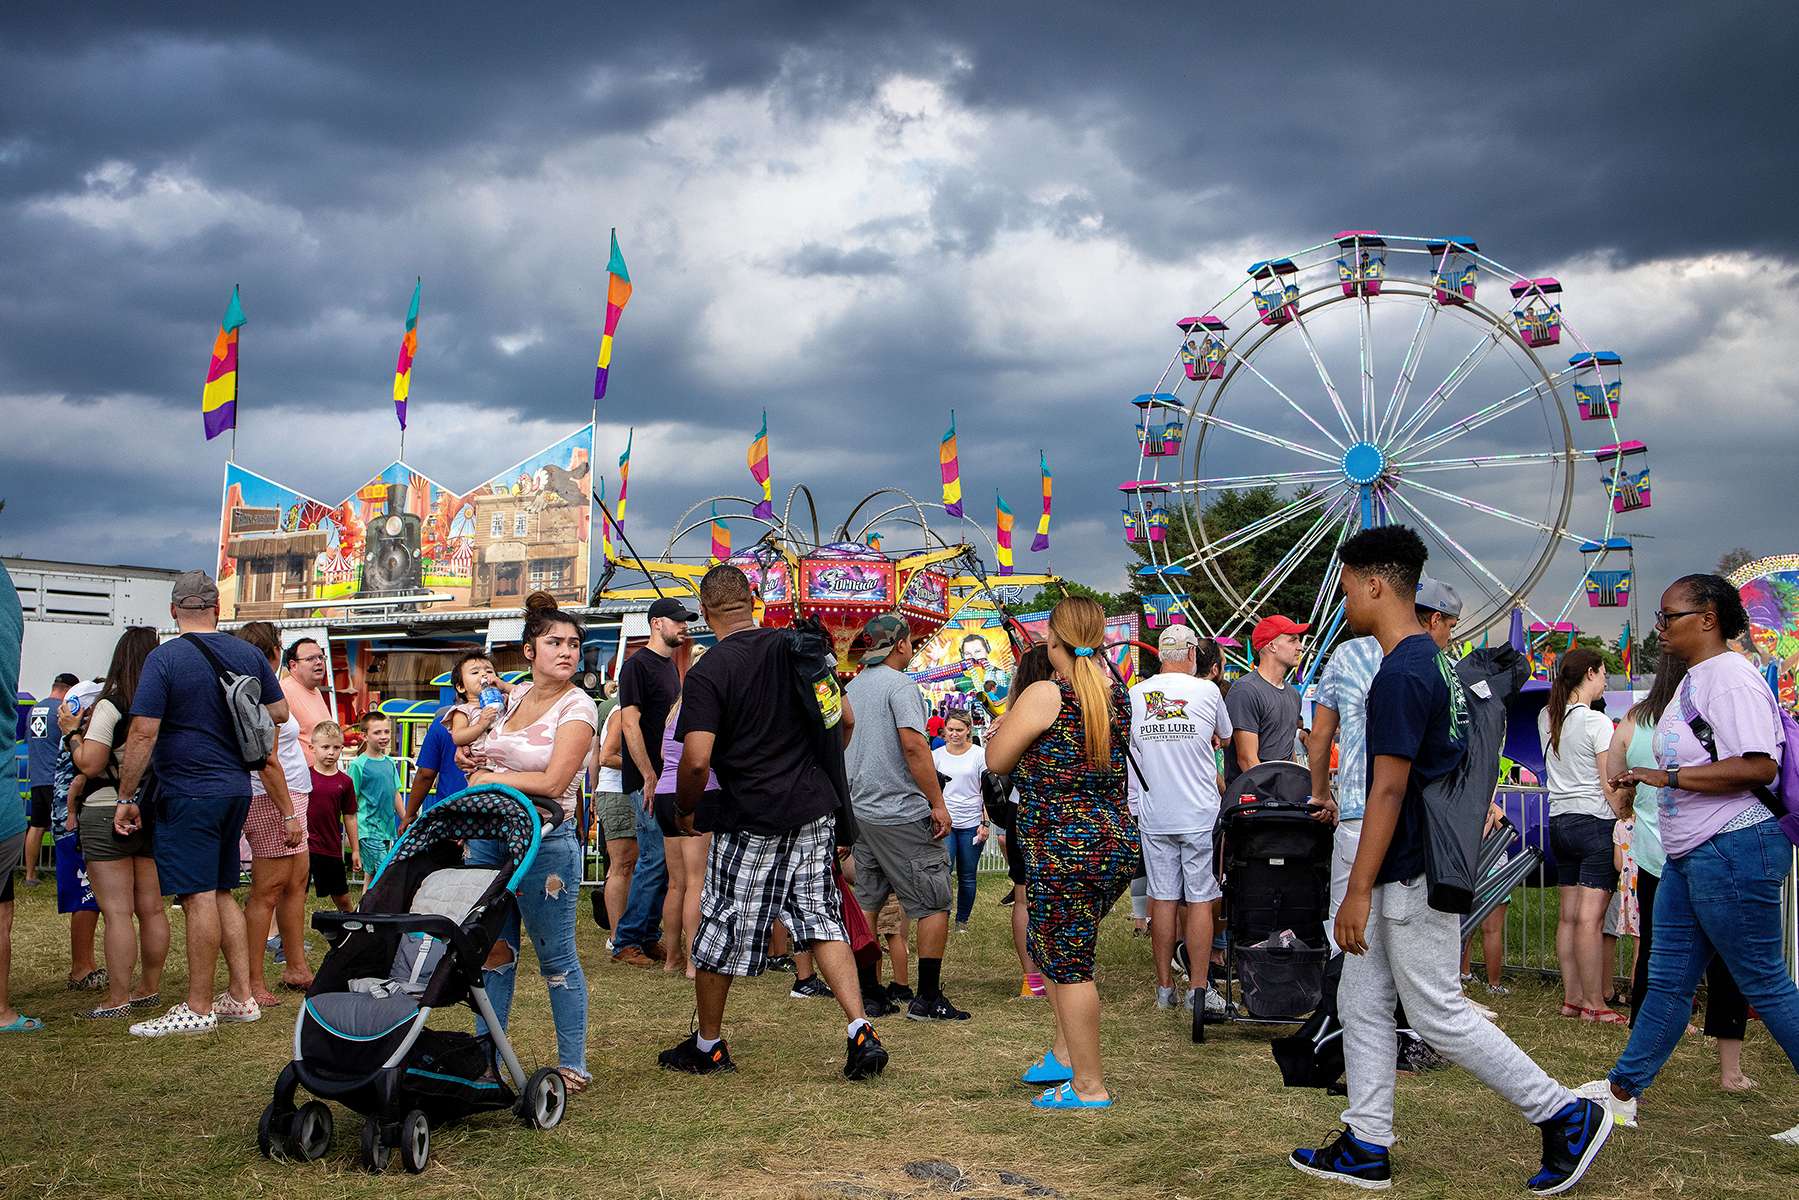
(89, 1111)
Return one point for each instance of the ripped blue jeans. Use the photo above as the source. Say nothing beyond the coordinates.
(549, 899)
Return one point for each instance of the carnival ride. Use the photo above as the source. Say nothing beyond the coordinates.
(842, 579)
(1248, 400)
(1770, 591)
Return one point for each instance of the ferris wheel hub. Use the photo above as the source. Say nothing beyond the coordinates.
(1363, 463)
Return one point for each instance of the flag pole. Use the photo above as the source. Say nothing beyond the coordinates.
(237, 400)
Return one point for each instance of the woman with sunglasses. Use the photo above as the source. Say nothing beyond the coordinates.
(1728, 860)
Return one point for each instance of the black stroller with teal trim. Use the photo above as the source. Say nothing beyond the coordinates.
(416, 945)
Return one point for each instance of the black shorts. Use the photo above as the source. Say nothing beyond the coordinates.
(1014, 857)
(1582, 846)
(328, 876)
(41, 798)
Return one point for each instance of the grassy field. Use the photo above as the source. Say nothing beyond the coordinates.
(86, 1110)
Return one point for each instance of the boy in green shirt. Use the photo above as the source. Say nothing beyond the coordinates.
(379, 806)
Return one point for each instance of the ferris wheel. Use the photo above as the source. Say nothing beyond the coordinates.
(1373, 379)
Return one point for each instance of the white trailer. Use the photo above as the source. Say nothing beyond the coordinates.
(74, 612)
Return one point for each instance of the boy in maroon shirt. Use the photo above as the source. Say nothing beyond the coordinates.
(330, 814)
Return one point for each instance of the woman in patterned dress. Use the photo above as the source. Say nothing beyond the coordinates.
(1064, 744)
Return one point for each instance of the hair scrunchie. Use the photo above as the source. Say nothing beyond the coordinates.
(1083, 651)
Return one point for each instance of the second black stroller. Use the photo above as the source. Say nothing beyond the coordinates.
(1273, 860)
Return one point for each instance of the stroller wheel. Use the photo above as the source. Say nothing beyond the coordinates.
(545, 1099)
(375, 1151)
(269, 1133)
(309, 1133)
(415, 1141)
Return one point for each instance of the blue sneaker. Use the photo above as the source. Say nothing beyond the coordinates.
(1347, 1159)
(1571, 1141)
(1048, 1069)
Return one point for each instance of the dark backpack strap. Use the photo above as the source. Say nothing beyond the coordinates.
(1702, 730)
(219, 669)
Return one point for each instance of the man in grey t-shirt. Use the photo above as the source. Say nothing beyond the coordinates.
(900, 815)
(1263, 707)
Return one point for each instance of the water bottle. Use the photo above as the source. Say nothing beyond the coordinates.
(492, 698)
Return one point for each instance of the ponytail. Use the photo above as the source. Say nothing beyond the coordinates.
(1080, 625)
(1569, 674)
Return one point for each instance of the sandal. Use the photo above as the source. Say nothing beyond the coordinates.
(1604, 1016)
(1569, 1010)
(22, 1024)
(573, 1082)
(1064, 1096)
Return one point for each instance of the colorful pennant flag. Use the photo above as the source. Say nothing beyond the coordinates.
(758, 459)
(1624, 649)
(952, 470)
(408, 347)
(618, 294)
(874, 539)
(606, 554)
(218, 399)
(1002, 522)
(721, 538)
(1041, 541)
(624, 476)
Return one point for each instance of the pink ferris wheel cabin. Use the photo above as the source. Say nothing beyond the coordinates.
(1537, 310)
(1454, 270)
(1627, 480)
(1363, 262)
(1598, 384)
(1277, 296)
(1202, 357)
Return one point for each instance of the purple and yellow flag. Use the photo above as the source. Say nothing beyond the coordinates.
(624, 476)
(1002, 529)
(952, 470)
(758, 460)
(409, 346)
(218, 398)
(618, 294)
(606, 554)
(721, 538)
(1041, 541)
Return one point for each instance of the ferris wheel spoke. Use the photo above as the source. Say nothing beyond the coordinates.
(1522, 398)
(1489, 587)
(1291, 403)
(1265, 438)
(1367, 370)
(1440, 395)
(1476, 461)
(1290, 561)
(1490, 510)
(1408, 370)
(1271, 479)
(1324, 375)
(1288, 512)
(1461, 553)
(1327, 588)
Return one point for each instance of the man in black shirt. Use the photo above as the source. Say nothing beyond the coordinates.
(1401, 949)
(647, 687)
(744, 718)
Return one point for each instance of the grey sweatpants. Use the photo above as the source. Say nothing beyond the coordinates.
(1413, 955)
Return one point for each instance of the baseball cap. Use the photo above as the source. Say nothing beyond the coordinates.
(672, 609)
(1269, 628)
(883, 633)
(194, 590)
(1438, 597)
(1175, 641)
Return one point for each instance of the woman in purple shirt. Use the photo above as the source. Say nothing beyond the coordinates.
(1728, 860)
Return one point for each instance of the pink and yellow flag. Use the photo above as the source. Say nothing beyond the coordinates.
(606, 554)
(758, 460)
(618, 294)
(409, 346)
(624, 476)
(951, 468)
(1041, 541)
(218, 398)
(1002, 533)
(721, 538)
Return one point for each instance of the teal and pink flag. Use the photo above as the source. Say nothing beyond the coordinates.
(218, 398)
(951, 468)
(758, 460)
(409, 345)
(1041, 541)
(618, 294)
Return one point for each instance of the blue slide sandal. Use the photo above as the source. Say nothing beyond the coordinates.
(1064, 1097)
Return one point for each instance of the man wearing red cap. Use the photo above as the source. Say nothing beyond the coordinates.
(1264, 709)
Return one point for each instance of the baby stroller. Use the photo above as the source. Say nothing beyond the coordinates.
(416, 943)
(1274, 863)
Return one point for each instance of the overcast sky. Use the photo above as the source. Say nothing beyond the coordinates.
(858, 216)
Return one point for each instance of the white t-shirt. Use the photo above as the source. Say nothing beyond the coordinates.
(1573, 772)
(962, 794)
(609, 779)
(1174, 718)
(292, 757)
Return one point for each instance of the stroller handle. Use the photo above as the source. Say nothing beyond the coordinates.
(470, 950)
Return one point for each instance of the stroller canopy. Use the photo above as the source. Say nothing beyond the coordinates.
(489, 812)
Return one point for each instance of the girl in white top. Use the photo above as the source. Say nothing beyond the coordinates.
(962, 760)
(276, 830)
(1575, 740)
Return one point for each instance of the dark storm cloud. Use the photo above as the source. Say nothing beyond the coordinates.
(1638, 130)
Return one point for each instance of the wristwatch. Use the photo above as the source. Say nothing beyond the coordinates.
(1673, 777)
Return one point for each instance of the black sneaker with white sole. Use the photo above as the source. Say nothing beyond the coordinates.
(1346, 1158)
(1572, 1139)
(864, 1057)
(688, 1057)
(810, 988)
(938, 1008)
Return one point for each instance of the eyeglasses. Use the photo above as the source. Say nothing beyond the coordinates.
(1666, 617)
(310, 658)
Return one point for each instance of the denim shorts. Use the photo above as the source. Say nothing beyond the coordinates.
(194, 842)
(1582, 846)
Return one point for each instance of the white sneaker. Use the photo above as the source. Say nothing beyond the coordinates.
(1214, 1003)
(1485, 1012)
(1624, 1112)
(227, 1007)
(1164, 997)
(180, 1019)
(1790, 1137)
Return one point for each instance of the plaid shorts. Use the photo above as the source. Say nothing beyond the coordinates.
(755, 879)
